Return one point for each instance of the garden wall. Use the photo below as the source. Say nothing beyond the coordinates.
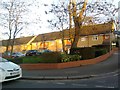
(67, 64)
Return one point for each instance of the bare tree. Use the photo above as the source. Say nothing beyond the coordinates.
(19, 9)
(9, 19)
(15, 12)
(60, 20)
(102, 10)
(79, 10)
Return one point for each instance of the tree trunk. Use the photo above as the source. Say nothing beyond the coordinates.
(12, 45)
(8, 43)
(7, 46)
(77, 33)
(63, 43)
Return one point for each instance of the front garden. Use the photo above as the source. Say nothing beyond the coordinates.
(50, 57)
(57, 57)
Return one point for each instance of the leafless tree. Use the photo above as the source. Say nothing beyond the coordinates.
(60, 19)
(79, 11)
(12, 19)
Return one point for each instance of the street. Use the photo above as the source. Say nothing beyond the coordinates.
(103, 75)
(109, 80)
(59, 44)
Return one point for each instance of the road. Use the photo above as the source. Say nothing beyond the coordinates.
(108, 78)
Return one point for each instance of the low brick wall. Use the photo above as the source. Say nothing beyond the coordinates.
(67, 64)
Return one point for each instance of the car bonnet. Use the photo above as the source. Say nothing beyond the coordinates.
(8, 65)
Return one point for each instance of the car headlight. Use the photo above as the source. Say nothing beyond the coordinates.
(1, 69)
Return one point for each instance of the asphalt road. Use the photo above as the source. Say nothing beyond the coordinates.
(109, 65)
(109, 80)
(105, 77)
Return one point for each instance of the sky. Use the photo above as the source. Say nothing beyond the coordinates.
(43, 25)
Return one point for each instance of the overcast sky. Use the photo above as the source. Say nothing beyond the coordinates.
(40, 11)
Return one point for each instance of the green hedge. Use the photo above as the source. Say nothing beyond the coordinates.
(90, 52)
(100, 52)
(56, 57)
(50, 57)
(28, 59)
(85, 53)
(99, 47)
(31, 59)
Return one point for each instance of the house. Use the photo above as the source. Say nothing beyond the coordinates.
(90, 35)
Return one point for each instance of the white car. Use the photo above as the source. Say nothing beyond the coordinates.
(9, 70)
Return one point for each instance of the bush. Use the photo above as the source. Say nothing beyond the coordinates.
(27, 59)
(68, 58)
(50, 57)
(117, 43)
(100, 52)
(99, 47)
(16, 60)
(31, 59)
(86, 53)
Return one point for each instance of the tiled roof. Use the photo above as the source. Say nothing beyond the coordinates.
(85, 30)
(18, 41)
(47, 36)
(96, 29)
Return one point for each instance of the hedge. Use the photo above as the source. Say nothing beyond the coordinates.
(85, 53)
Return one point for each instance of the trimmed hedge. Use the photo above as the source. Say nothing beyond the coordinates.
(100, 52)
(99, 47)
(90, 52)
(50, 57)
(85, 53)
(56, 57)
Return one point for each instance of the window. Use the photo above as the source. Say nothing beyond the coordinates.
(83, 39)
(95, 37)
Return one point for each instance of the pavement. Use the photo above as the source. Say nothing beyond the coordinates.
(82, 72)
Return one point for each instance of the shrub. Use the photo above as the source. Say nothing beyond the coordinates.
(68, 58)
(99, 47)
(31, 59)
(27, 59)
(16, 60)
(50, 57)
(100, 52)
(86, 52)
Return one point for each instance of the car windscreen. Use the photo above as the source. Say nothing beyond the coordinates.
(3, 60)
